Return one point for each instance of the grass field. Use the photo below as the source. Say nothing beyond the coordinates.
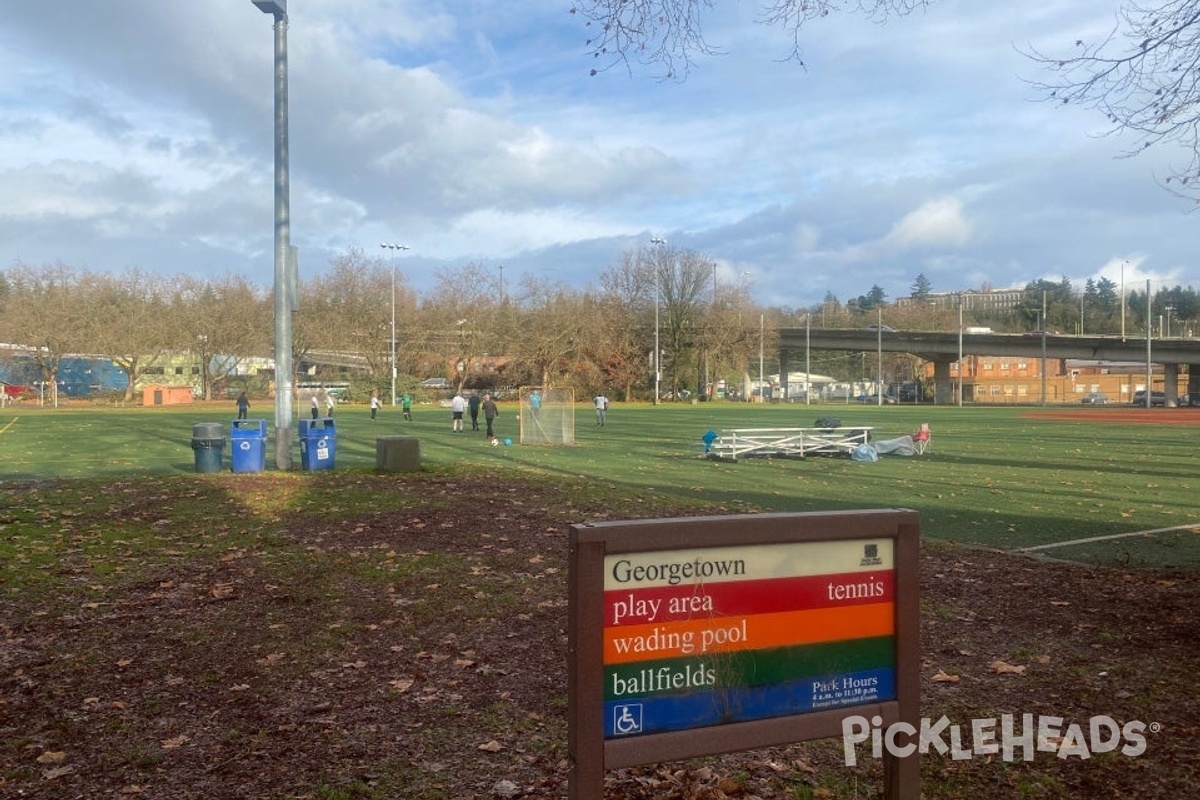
(996, 477)
(347, 635)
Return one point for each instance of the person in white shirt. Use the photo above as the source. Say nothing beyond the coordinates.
(457, 406)
(601, 403)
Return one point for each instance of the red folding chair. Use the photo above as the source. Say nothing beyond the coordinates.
(922, 439)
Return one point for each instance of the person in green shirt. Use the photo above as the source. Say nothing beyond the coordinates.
(406, 406)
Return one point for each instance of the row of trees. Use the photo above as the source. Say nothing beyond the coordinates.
(536, 333)
(472, 331)
(1097, 308)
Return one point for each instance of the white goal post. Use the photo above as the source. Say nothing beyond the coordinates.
(547, 415)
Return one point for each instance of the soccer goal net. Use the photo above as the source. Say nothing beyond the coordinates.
(547, 416)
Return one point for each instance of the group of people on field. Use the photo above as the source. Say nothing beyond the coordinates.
(471, 406)
(459, 406)
(405, 404)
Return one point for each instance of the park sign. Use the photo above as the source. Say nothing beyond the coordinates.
(698, 636)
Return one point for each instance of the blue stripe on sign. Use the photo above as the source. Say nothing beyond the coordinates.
(659, 714)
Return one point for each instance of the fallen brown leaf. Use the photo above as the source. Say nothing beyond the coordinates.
(1004, 668)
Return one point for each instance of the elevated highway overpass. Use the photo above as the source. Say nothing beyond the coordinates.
(1175, 355)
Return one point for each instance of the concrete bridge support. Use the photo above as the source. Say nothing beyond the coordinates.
(1171, 384)
(943, 387)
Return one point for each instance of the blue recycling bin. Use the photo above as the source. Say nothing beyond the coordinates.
(208, 443)
(248, 445)
(318, 444)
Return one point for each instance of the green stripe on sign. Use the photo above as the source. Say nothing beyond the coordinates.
(747, 667)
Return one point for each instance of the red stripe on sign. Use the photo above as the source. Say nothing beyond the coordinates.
(673, 603)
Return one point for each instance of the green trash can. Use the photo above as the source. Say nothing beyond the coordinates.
(208, 445)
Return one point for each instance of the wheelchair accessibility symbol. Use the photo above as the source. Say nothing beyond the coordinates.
(627, 719)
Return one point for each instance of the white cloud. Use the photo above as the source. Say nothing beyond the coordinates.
(937, 223)
(141, 132)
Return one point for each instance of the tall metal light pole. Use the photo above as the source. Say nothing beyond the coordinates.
(657, 293)
(285, 288)
(879, 356)
(960, 351)
(807, 356)
(1149, 363)
(1043, 366)
(393, 248)
(501, 266)
(703, 391)
(762, 328)
(1123, 263)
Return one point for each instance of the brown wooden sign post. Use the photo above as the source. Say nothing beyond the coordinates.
(699, 636)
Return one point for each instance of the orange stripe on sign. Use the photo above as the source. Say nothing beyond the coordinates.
(695, 637)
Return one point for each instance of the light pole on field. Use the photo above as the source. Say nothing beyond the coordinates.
(393, 248)
(285, 278)
(1123, 263)
(656, 241)
(960, 350)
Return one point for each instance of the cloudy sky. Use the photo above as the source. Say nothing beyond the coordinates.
(138, 133)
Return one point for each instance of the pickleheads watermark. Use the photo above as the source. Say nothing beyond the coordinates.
(1004, 735)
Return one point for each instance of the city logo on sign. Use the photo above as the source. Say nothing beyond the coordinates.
(870, 556)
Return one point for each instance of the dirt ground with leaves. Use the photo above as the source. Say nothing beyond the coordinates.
(421, 653)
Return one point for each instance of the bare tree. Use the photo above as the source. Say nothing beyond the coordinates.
(627, 304)
(668, 34)
(553, 326)
(348, 313)
(461, 323)
(222, 323)
(1143, 77)
(682, 278)
(45, 314)
(128, 321)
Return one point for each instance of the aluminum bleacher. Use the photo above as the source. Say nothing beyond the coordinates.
(786, 442)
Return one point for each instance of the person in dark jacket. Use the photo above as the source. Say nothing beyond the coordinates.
(473, 404)
(490, 412)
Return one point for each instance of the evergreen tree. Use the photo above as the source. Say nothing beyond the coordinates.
(921, 288)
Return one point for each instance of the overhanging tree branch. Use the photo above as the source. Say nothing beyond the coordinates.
(669, 34)
(1143, 77)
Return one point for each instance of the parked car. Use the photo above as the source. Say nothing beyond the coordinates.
(875, 326)
(1156, 398)
(435, 383)
(874, 398)
(1094, 399)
